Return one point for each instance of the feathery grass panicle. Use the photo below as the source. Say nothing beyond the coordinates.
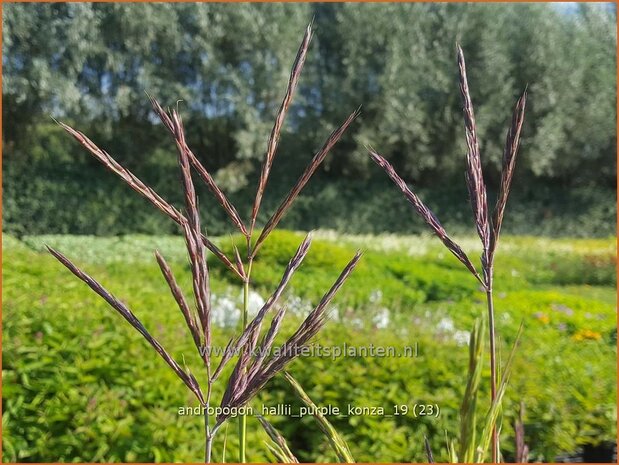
(488, 230)
(474, 174)
(167, 119)
(488, 233)
(274, 220)
(195, 247)
(312, 323)
(266, 343)
(295, 73)
(292, 266)
(279, 448)
(241, 389)
(177, 293)
(427, 215)
(187, 378)
(252, 369)
(133, 181)
(318, 158)
(512, 143)
(336, 441)
(137, 185)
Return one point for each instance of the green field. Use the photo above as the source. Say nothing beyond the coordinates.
(80, 385)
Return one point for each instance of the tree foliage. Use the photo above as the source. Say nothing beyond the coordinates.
(90, 64)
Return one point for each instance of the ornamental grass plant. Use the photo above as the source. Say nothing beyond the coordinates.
(256, 361)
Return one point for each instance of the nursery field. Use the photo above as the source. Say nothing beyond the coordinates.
(79, 384)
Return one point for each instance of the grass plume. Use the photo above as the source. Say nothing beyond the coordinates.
(488, 230)
(251, 372)
(273, 142)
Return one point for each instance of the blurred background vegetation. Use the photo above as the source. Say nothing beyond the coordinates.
(90, 64)
(78, 383)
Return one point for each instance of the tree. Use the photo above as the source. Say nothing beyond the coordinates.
(91, 63)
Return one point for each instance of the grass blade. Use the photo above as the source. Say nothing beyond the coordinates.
(279, 447)
(337, 443)
(428, 449)
(495, 408)
(452, 455)
(468, 409)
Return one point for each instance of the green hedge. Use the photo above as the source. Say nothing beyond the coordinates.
(78, 196)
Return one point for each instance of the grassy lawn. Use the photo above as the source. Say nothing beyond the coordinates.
(80, 385)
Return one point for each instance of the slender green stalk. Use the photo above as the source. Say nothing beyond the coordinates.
(209, 443)
(209, 440)
(207, 429)
(243, 418)
(493, 377)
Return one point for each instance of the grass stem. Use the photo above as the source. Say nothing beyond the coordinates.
(493, 378)
(243, 418)
(209, 440)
